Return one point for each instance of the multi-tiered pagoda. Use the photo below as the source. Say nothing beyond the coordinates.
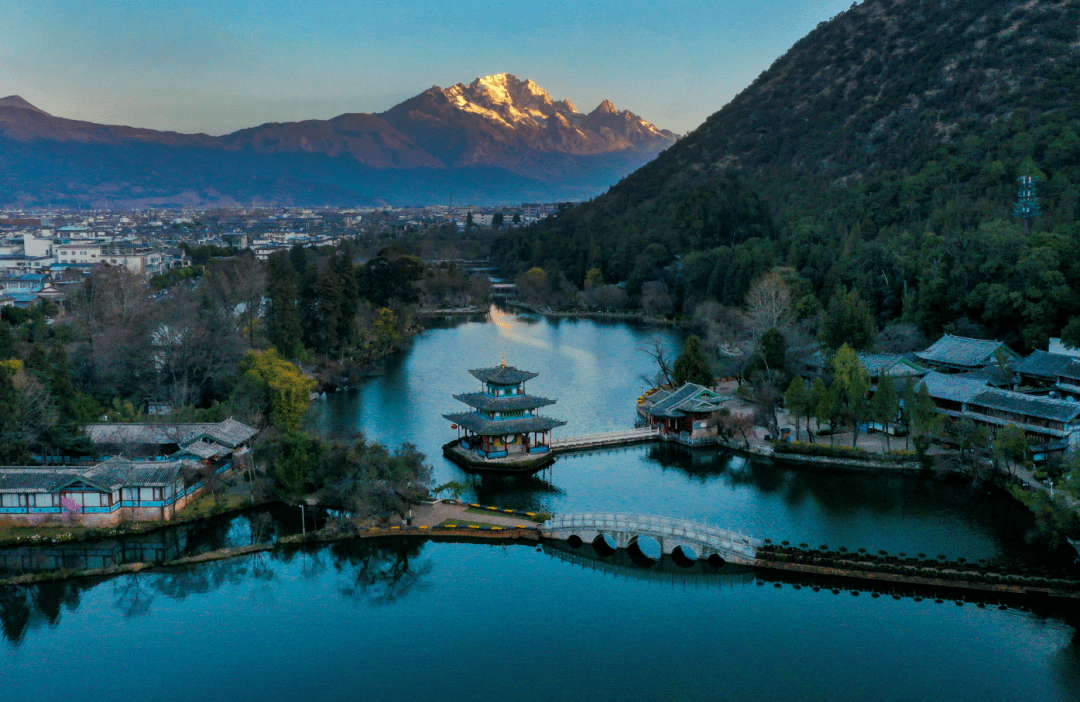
(503, 431)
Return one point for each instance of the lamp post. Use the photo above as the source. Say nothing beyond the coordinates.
(1051, 488)
(303, 522)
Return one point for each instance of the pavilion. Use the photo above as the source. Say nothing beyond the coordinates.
(503, 423)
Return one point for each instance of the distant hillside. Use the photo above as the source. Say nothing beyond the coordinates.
(497, 139)
(895, 120)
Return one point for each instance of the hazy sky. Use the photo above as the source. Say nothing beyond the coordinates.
(223, 65)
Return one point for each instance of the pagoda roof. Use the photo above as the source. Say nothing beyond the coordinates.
(501, 427)
(503, 375)
(503, 404)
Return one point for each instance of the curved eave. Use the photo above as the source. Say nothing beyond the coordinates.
(503, 404)
(503, 427)
(502, 375)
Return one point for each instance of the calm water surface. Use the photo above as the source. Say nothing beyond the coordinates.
(460, 621)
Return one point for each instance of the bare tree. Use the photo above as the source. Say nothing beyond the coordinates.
(653, 347)
(768, 304)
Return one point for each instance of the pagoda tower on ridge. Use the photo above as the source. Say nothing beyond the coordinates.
(502, 431)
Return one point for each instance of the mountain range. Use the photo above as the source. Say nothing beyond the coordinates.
(880, 153)
(497, 139)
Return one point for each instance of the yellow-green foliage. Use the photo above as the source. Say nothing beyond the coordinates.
(11, 366)
(289, 388)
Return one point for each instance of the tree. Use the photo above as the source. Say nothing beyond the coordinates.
(654, 348)
(797, 401)
(593, 279)
(770, 356)
(847, 321)
(497, 220)
(367, 479)
(885, 405)
(1011, 445)
(925, 420)
(768, 304)
(852, 383)
(292, 458)
(692, 366)
(829, 407)
(286, 387)
(1070, 335)
(283, 329)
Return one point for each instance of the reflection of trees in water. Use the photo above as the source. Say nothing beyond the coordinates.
(380, 572)
(25, 608)
(839, 491)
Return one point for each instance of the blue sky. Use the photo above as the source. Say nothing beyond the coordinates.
(219, 66)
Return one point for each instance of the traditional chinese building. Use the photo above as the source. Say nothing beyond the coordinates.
(503, 425)
(683, 411)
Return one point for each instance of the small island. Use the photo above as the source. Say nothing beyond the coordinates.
(503, 432)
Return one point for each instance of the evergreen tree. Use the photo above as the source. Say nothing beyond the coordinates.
(829, 407)
(797, 401)
(326, 312)
(847, 321)
(283, 330)
(885, 404)
(38, 361)
(852, 383)
(692, 366)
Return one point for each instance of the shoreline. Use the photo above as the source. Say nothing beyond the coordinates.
(527, 535)
(448, 533)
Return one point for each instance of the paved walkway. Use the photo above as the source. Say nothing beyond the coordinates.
(430, 515)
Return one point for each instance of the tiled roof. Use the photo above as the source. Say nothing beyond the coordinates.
(1042, 364)
(202, 449)
(503, 404)
(500, 427)
(111, 474)
(963, 352)
(502, 375)
(952, 388)
(1070, 371)
(890, 364)
(690, 397)
(230, 433)
(988, 375)
(1027, 405)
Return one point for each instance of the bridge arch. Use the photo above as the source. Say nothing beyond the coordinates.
(684, 555)
(605, 545)
(713, 544)
(644, 549)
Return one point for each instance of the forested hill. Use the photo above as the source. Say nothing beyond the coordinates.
(879, 152)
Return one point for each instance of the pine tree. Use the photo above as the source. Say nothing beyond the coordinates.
(885, 405)
(852, 383)
(692, 366)
(796, 400)
(847, 321)
(283, 330)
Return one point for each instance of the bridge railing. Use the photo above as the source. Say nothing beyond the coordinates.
(631, 522)
(606, 435)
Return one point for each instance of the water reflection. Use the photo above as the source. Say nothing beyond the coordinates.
(259, 525)
(375, 572)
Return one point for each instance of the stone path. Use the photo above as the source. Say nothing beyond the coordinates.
(430, 515)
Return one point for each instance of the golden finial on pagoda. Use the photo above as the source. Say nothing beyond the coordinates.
(504, 360)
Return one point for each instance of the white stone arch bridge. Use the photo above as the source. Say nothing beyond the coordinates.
(675, 536)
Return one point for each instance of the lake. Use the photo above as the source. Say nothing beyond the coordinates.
(416, 620)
